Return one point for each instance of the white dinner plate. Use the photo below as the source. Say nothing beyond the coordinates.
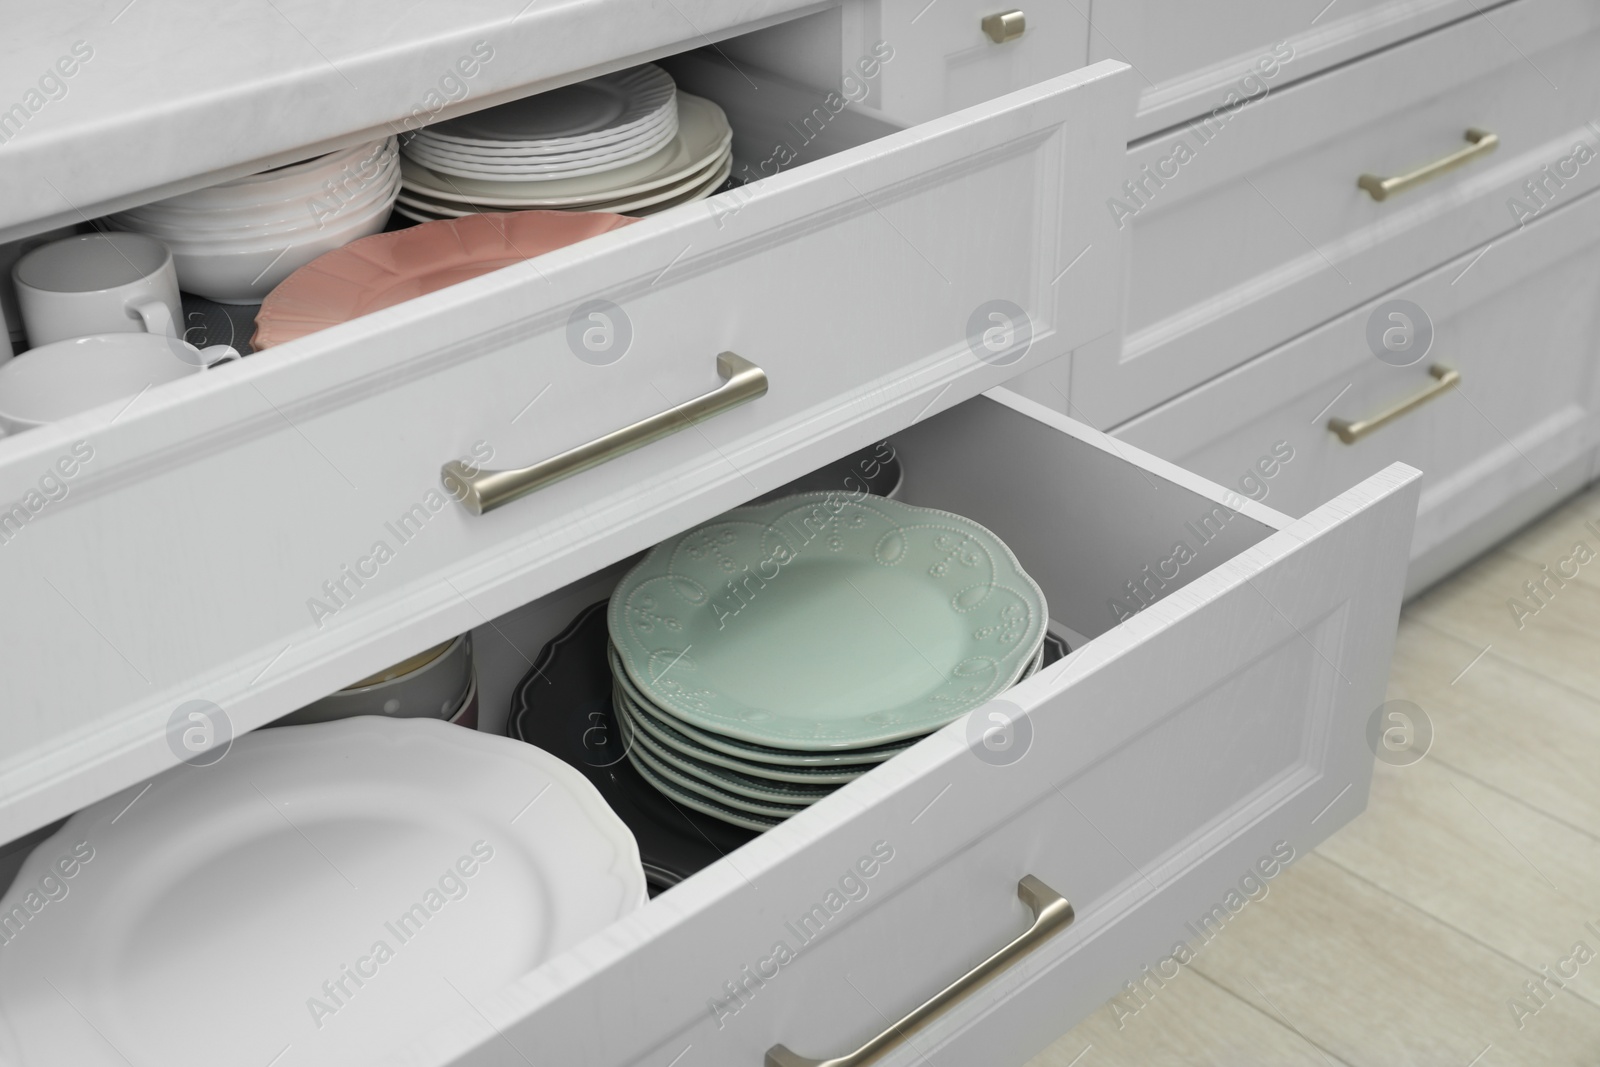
(525, 169)
(328, 889)
(697, 186)
(659, 129)
(703, 135)
(610, 104)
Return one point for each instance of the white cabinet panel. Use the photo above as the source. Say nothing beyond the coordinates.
(1518, 320)
(1191, 56)
(1250, 230)
(944, 59)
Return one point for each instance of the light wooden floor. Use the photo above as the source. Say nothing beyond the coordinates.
(1406, 936)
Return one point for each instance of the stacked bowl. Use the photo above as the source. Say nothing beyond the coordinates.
(235, 241)
(624, 142)
(766, 658)
(436, 683)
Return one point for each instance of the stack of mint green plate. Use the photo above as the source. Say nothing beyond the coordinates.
(767, 657)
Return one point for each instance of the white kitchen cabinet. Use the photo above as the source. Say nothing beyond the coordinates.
(206, 546)
(1246, 231)
(1518, 320)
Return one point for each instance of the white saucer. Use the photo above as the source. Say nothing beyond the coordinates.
(584, 113)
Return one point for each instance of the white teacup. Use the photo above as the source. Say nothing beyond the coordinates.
(98, 283)
(56, 380)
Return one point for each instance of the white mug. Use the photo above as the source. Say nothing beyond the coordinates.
(97, 283)
(56, 380)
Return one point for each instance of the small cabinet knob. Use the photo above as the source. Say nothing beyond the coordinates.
(1006, 26)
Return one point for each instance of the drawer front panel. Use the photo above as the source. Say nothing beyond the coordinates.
(1191, 56)
(944, 60)
(1249, 228)
(1163, 758)
(1520, 323)
(260, 536)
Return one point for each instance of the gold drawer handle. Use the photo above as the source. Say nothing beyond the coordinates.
(1351, 432)
(1480, 143)
(1051, 913)
(481, 491)
(1006, 26)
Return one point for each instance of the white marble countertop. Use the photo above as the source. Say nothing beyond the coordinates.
(168, 95)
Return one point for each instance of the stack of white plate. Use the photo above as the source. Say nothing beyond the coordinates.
(625, 142)
(234, 242)
(587, 128)
(779, 651)
(334, 889)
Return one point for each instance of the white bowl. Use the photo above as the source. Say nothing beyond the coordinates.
(299, 221)
(266, 200)
(287, 212)
(348, 222)
(241, 239)
(432, 685)
(230, 274)
(303, 178)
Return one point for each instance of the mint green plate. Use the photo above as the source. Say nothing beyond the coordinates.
(673, 794)
(667, 735)
(861, 759)
(826, 622)
(642, 758)
(758, 761)
(750, 786)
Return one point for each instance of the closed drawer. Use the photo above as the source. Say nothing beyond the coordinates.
(259, 536)
(1245, 233)
(944, 59)
(1220, 723)
(1192, 56)
(1519, 322)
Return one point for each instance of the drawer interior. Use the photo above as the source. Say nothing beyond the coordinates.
(1099, 532)
(779, 122)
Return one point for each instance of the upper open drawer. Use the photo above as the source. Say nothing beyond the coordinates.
(260, 535)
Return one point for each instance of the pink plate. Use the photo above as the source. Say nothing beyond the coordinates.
(389, 268)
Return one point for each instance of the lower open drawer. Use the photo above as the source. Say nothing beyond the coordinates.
(1210, 729)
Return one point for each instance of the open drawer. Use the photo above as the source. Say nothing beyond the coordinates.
(1210, 727)
(1204, 740)
(260, 535)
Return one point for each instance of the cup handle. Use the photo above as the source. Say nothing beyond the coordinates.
(224, 354)
(156, 316)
